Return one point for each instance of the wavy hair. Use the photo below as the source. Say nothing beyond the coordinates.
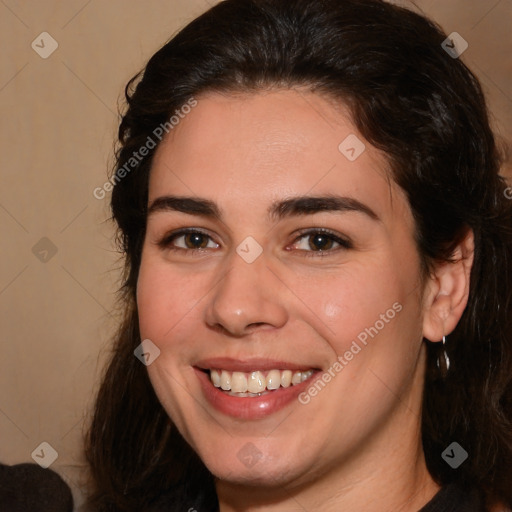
(425, 110)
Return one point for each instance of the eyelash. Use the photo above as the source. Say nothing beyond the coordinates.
(166, 242)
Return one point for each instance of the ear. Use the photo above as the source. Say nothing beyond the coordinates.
(447, 291)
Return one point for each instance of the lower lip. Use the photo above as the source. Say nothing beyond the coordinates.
(250, 408)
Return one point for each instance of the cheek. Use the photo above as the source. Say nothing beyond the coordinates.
(163, 299)
(372, 304)
(348, 301)
(165, 302)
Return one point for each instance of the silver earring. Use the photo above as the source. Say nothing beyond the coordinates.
(443, 361)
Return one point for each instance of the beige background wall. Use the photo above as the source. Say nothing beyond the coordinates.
(58, 273)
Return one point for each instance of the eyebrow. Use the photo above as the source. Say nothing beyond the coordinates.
(295, 206)
(308, 205)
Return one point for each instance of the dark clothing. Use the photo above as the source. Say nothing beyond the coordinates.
(452, 498)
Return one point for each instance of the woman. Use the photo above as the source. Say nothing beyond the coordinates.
(318, 272)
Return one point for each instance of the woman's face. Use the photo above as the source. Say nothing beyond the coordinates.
(301, 259)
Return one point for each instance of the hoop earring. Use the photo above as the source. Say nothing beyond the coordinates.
(443, 361)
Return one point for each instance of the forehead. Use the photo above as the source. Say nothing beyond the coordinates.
(252, 149)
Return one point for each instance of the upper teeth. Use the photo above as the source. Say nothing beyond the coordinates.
(257, 381)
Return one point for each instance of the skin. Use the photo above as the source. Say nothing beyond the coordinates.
(356, 445)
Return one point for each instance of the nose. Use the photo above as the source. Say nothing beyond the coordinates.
(247, 298)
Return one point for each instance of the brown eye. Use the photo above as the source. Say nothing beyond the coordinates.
(195, 240)
(190, 240)
(320, 241)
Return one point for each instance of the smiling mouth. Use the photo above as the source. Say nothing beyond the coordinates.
(256, 383)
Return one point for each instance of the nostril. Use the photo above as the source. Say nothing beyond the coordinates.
(256, 324)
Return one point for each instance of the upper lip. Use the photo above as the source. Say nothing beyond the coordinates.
(238, 365)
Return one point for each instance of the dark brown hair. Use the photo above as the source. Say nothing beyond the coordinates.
(407, 97)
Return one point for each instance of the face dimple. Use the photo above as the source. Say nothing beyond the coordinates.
(257, 291)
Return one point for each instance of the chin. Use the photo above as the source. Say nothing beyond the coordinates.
(249, 466)
(265, 475)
